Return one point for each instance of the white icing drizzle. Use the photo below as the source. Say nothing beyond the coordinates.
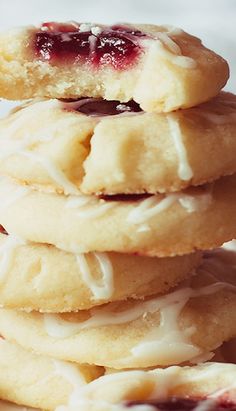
(230, 245)
(172, 51)
(156, 204)
(143, 228)
(208, 404)
(137, 377)
(169, 43)
(96, 30)
(85, 404)
(69, 372)
(10, 193)
(185, 172)
(85, 27)
(201, 202)
(92, 44)
(101, 289)
(7, 250)
(54, 172)
(167, 342)
(163, 381)
(154, 346)
(204, 405)
(150, 207)
(185, 62)
(89, 206)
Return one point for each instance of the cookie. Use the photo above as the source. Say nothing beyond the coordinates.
(160, 67)
(161, 225)
(184, 325)
(44, 278)
(38, 381)
(9, 406)
(79, 146)
(209, 386)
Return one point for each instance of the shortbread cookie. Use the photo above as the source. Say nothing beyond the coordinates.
(9, 406)
(38, 381)
(209, 386)
(184, 325)
(44, 278)
(174, 224)
(160, 67)
(79, 146)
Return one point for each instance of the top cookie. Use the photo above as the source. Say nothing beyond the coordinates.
(161, 68)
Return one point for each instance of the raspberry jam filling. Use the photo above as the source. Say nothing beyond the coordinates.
(125, 197)
(100, 107)
(2, 230)
(118, 46)
(183, 404)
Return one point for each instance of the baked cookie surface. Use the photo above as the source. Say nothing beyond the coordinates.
(161, 225)
(38, 381)
(207, 385)
(44, 278)
(191, 321)
(79, 146)
(160, 67)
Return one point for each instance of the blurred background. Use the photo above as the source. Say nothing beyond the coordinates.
(214, 21)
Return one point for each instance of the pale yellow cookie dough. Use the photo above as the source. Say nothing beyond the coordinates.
(174, 70)
(44, 278)
(10, 406)
(183, 325)
(179, 223)
(197, 382)
(146, 152)
(37, 381)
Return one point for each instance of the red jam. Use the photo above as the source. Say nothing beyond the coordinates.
(2, 230)
(125, 197)
(183, 404)
(100, 107)
(118, 46)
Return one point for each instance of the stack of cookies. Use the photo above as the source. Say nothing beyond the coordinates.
(117, 182)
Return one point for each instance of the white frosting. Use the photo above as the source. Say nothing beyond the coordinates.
(151, 206)
(169, 43)
(11, 145)
(85, 27)
(96, 30)
(163, 381)
(230, 245)
(172, 52)
(143, 228)
(54, 171)
(10, 193)
(185, 62)
(7, 250)
(197, 203)
(85, 404)
(69, 372)
(89, 206)
(104, 287)
(154, 346)
(185, 172)
(92, 43)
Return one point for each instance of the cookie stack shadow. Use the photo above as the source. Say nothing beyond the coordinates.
(112, 218)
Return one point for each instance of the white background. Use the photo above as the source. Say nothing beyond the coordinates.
(212, 20)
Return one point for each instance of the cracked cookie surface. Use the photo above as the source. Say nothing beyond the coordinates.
(160, 67)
